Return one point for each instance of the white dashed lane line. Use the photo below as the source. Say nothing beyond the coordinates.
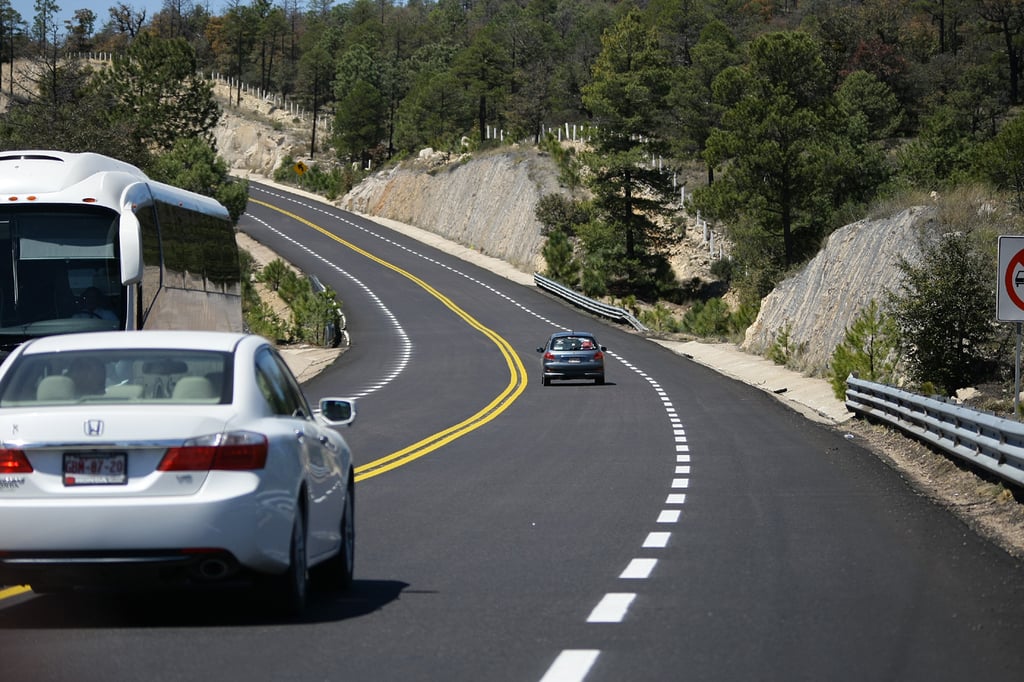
(401, 359)
(614, 607)
(572, 665)
(639, 569)
(669, 516)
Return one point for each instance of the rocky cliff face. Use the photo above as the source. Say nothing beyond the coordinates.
(817, 304)
(485, 202)
(254, 136)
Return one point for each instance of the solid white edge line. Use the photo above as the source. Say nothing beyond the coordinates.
(572, 665)
(612, 607)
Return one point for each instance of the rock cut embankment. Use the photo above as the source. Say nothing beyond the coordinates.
(486, 202)
(816, 305)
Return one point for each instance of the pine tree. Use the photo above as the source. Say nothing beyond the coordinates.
(158, 89)
(944, 311)
(627, 96)
(562, 266)
(870, 350)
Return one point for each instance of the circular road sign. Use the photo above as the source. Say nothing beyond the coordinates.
(1010, 304)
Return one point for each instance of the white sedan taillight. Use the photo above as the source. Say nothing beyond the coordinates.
(234, 451)
(14, 462)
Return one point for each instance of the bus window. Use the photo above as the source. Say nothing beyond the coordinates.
(60, 243)
(52, 255)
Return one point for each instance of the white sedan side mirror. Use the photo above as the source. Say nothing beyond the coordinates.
(338, 411)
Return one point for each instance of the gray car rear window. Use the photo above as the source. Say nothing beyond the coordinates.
(574, 343)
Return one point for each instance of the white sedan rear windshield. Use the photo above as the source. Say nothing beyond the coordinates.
(121, 376)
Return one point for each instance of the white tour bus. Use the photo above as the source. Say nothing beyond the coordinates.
(88, 242)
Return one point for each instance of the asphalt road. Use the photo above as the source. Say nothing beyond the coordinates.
(669, 525)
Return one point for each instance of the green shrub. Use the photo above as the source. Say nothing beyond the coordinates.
(273, 273)
(870, 350)
(263, 321)
(743, 317)
(660, 319)
(943, 310)
(557, 212)
(594, 280)
(784, 350)
(722, 268)
(569, 167)
(708, 319)
(330, 183)
(313, 313)
(562, 266)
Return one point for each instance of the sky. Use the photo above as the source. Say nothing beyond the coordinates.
(100, 7)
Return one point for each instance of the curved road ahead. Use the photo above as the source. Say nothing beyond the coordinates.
(669, 525)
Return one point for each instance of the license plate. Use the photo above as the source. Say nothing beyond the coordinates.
(575, 361)
(95, 468)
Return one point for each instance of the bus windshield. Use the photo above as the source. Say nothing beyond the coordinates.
(59, 271)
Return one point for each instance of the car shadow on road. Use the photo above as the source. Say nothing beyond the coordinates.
(570, 383)
(194, 608)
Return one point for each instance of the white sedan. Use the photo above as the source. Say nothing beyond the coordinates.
(170, 458)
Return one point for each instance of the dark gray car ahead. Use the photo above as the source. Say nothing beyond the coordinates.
(572, 355)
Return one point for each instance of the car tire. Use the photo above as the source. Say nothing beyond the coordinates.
(545, 381)
(336, 573)
(290, 590)
(599, 381)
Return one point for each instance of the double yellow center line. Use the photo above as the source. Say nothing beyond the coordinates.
(517, 373)
(14, 591)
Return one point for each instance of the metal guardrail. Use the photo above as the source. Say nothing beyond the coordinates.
(589, 304)
(992, 443)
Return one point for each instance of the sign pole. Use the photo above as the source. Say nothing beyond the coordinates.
(1016, 378)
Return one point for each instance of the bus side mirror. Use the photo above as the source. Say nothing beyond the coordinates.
(130, 234)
